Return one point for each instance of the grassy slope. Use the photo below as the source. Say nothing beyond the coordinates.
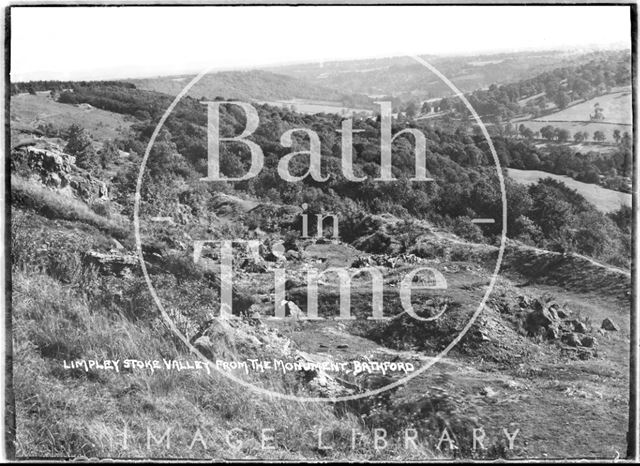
(29, 111)
(606, 200)
(616, 108)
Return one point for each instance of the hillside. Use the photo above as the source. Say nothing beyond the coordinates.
(551, 341)
(402, 76)
(40, 112)
(243, 85)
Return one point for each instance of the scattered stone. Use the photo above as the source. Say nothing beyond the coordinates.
(609, 325)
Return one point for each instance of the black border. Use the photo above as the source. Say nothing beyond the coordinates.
(9, 401)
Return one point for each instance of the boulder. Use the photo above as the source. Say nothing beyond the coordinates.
(292, 310)
(539, 318)
(610, 325)
(553, 332)
(571, 339)
(579, 327)
(589, 341)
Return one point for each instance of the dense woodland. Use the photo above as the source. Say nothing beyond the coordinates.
(548, 214)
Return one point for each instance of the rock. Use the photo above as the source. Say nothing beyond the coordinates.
(292, 255)
(609, 325)
(291, 309)
(537, 305)
(571, 339)
(117, 245)
(320, 380)
(589, 341)
(54, 180)
(112, 263)
(291, 283)
(524, 301)
(578, 326)
(563, 313)
(553, 332)
(361, 261)
(57, 170)
(489, 392)
(538, 318)
(253, 265)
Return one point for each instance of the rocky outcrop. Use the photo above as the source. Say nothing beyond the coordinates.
(115, 263)
(553, 323)
(57, 171)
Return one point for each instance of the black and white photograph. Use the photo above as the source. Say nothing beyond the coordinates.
(367, 232)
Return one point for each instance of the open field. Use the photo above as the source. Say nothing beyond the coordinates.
(606, 200)
(29, 111)
(616, 108)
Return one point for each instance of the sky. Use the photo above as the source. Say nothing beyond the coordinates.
(125, 42)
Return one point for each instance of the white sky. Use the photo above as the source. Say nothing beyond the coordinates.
(119, 42)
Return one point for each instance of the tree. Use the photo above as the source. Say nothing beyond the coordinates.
(109, 153)
(411, 109)
(578, 137)
(80, 146)
(426, 108)
(548, 132)
(562, 100)
(599, 136)
(562, 134)
(616, 135)
(527, 133)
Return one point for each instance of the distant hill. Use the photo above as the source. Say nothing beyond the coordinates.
(403, 77)
(244, 85)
